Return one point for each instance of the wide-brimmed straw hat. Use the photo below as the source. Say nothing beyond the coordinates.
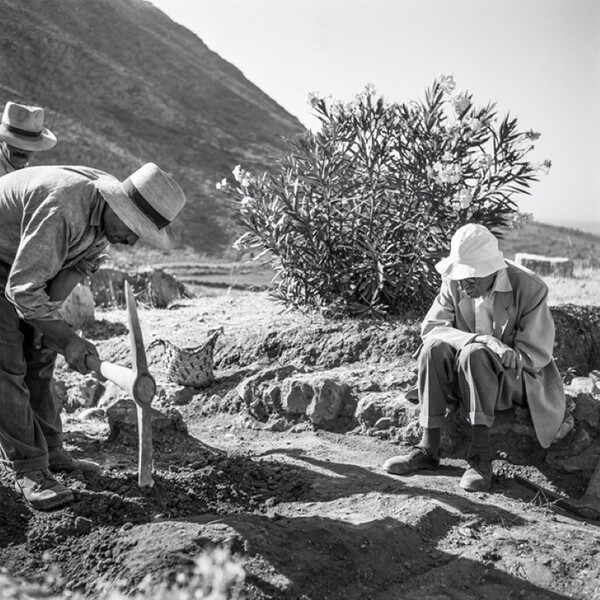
(23, 127)
(147, 201)
(473, 253)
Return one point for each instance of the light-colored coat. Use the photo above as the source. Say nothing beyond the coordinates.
(523, 321)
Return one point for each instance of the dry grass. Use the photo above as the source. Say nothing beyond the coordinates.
(582, 289)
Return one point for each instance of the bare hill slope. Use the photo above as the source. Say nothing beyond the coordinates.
(550, 240)
(124, 85)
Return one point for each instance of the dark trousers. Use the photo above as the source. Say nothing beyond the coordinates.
(473, 376)
(29, 416)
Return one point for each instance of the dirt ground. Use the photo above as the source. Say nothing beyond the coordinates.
(309, 513)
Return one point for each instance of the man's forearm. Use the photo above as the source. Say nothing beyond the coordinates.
(63, 284)
(58, 333)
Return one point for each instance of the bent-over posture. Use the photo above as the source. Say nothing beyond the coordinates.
(56, 223)
(487, 344)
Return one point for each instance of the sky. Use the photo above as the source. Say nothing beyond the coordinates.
(537, 59)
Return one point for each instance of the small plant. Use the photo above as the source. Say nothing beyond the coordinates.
(356, 216)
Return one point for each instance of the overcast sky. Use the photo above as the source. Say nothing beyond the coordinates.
(538, 59)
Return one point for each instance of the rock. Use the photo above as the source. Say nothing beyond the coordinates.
(85, 394)
(582, 385)
(329, 398)
(546, 265)
(373, 407)
(296, 396)
(261, 392)
(383, 423)
(83, 525)
(178, 395)
(78, 308)
(122, 420)
(92, 414)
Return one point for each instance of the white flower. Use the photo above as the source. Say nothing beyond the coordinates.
(445, 173)
(544, 167)
(221, 185)
(474, 124)
(448, 156)
(461, 103)
(447, 82)
(241, 176)
(246, 201)
(465, 197)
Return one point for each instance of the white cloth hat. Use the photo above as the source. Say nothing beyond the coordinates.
(147, 201)
(23, 127)
(473, 253)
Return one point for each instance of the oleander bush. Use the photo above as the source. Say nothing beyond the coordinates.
(358, 213)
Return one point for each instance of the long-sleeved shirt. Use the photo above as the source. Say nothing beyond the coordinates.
(50, 219)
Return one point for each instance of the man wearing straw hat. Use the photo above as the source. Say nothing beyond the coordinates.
(22, 133)
(56, 223)
(487, 344)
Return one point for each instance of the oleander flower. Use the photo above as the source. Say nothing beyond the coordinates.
(242, 176)
(222, 185)
(461, 103)
(447, 82)
(465, 197)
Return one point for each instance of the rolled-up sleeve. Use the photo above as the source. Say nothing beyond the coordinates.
(40, 256)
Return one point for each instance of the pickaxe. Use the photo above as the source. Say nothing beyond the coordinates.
(138, 383)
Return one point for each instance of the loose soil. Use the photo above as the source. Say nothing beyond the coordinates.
(311, 513)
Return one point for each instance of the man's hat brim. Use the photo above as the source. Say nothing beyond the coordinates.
(115, 196)
(44, 141)
(452, 269)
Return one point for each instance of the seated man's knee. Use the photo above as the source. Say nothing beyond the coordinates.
(436, 349)
(473, 353)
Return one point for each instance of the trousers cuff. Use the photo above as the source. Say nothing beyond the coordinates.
(30, 464)
(479, 418)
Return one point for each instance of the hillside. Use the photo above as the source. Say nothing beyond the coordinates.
(550, 240)
(124, 85)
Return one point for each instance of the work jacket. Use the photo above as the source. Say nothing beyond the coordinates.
(522, 320)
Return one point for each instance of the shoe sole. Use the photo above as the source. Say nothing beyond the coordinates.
(416, 470)
(58, 502)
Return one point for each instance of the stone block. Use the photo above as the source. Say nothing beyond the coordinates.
(328, 401)
(123, 421)
(546, 265)
(296, 396)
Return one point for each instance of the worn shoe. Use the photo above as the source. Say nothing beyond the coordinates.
(478, 477)
(41, 491)
(418, 459)
(61, 460)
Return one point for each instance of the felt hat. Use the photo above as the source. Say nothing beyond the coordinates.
(474, 252)
(23, 127)
(147, 201)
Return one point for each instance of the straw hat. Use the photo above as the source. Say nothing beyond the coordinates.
(473, 253)
(23, 127)
(147, 201)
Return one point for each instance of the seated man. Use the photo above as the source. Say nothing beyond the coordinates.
(487, 342)
(22, 133)
(56, 223)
